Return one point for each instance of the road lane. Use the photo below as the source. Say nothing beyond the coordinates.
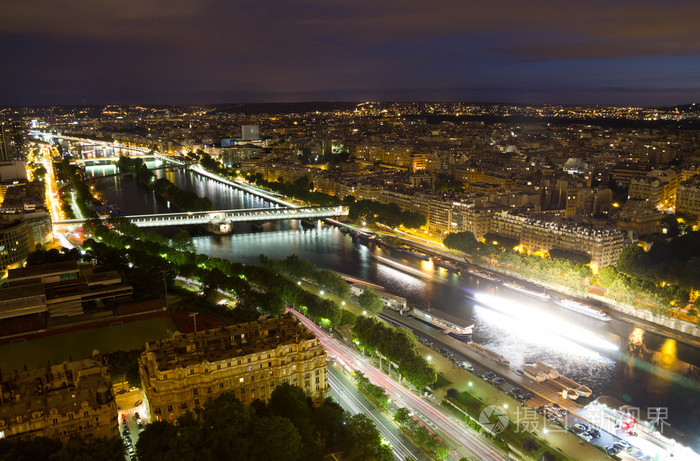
(468, 443)
(347, 395)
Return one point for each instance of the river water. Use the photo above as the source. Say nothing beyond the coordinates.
(635, 366)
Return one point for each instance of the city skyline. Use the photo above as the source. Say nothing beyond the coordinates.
(637, 54)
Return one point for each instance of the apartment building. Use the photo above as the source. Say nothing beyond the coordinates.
(59, 401)
(658, 188)
(688, 197)
(249, 359)
(602, 244)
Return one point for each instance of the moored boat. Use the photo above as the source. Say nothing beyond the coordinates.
(444, 322)
(537, 294)
(583, 309)
(444, 263)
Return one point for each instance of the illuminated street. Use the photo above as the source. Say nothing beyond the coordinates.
(460, 439)
(347, 395)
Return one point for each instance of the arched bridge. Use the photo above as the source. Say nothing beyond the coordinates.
(228, 216)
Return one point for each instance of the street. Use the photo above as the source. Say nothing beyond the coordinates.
(462, 440)
(350, 398)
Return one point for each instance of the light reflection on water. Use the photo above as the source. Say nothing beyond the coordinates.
(630, 377)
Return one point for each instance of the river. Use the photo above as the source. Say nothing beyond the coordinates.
(647, 370)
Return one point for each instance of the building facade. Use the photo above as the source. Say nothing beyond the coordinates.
(658, 188)
(688, 197)
(249, 360)
(11, 141)
(602, 244)
(14, 244)
(59, 401)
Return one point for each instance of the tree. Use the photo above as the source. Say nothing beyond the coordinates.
(274, 438)
(364, 442)
(157, 442)
(402, 416)
(370, 301)
(38, 448)
(213, 279)
(100, 449)
(530, 444)
(182, 241)
(329, 420)
(607, 276)
(124, 365)
(462, 241)
(670, 224)
(634, 261)
(291, 402)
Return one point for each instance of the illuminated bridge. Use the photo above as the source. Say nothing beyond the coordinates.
(222, 220)
(108, 150)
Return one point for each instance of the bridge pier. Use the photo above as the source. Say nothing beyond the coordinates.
(220, 227)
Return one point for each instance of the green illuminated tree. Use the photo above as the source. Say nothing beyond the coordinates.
(370, 301)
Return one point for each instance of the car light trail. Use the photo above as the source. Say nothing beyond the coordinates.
(401, 451)
(456, 431)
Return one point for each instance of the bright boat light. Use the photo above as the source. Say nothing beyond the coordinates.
(536, 321)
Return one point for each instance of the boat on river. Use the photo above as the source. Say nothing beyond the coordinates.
(445, 322)
(483, 274)
(444, 263)
(521, 289)
(411, 251)
(583, 309)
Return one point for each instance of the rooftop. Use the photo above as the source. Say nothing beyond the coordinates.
(226, 342)
(42, 270)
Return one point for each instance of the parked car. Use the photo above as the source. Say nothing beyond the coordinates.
(622, 444)
(465, 365)
(581, 427)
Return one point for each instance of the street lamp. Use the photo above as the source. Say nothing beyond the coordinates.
(194, 317)
(429, 358)
(165, 284)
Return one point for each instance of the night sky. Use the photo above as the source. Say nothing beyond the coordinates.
(208, 51)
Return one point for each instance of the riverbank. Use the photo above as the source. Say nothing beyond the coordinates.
(673, 328)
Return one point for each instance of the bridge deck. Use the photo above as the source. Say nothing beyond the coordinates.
(245, 215)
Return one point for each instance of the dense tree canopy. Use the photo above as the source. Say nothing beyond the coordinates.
(674, 260)
(259, 290)
(389, 214)
(462, 241)
(370, 301)
(76, 449)
(399, 346)
(286, 428)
